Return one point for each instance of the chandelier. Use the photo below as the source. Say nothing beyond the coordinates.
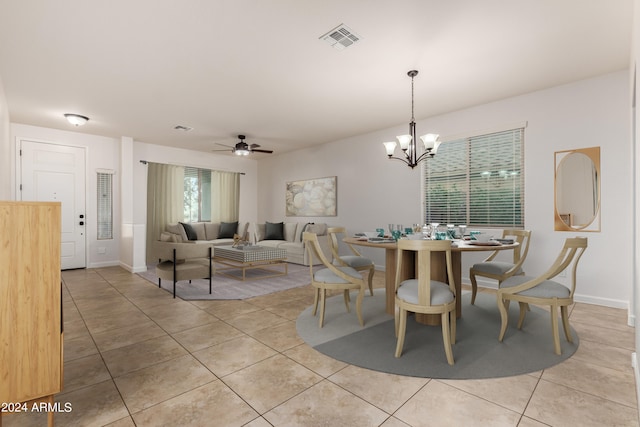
(408, 146)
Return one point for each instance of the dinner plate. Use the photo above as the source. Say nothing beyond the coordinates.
(477, 243)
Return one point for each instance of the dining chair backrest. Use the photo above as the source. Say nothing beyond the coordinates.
(425, 248)
(523, 238)
(571, 252)
(312, 246)
(333, 234)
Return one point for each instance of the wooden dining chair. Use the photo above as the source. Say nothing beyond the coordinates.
(542, 290)
(423, 295)
(354, 260)
(331, 277)
(501, 270)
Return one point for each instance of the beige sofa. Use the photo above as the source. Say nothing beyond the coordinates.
(205, 232)
(292, 239)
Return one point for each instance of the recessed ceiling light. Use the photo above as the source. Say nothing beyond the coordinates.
(183, 128)
(76, 119)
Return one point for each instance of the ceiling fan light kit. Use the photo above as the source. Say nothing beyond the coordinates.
(244, 149)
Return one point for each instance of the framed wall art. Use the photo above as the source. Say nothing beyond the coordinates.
(312, 197)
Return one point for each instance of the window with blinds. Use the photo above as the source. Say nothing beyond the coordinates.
(477, 181)
(197, 194)
(105, 206)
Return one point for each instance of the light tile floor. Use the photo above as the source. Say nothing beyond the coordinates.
(134, 356)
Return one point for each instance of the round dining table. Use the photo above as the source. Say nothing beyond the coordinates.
(438, 269)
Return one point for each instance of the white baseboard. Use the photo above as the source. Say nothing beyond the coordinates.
(132, 269)
(104, 264)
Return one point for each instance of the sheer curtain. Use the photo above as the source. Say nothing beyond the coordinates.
(225, 196)
(165, 199)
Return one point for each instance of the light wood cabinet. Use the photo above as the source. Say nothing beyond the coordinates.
(30, 302)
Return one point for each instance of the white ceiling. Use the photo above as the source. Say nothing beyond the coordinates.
(257, 67)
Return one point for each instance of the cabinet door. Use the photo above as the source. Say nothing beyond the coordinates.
(30, 301)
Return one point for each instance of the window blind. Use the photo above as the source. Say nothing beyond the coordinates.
(105, 206)
(477, 181)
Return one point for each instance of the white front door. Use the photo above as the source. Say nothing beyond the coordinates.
(56, 173)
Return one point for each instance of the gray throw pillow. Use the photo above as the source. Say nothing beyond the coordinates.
(274, 231)
(227, 230)
(191, 233)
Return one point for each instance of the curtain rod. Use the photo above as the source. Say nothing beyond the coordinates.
(144, 162)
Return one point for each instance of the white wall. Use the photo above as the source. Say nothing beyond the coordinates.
(5, 148)
(374, 191)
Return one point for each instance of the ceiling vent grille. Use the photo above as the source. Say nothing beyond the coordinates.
(340, 37)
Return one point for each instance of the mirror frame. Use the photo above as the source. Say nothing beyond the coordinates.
(592, 153)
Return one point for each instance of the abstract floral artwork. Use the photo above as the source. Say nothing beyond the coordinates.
(312, 197)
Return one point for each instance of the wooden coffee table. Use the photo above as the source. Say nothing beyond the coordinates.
(271, 260)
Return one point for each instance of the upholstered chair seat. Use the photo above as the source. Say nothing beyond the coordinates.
(354, 260)
(424, 295)
(331, 278)
(541, 290)
(491, 268)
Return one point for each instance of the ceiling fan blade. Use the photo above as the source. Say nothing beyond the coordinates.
(254, 146)
(225, 145)
(262, 151)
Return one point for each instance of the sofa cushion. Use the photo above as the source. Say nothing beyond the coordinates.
(259, 232)
(319, 229)
(227, 230)
(190, 232)
(199, 228)
(274, 231)
(165, 236)
(178, 230)
(211, 230)
(290, 231)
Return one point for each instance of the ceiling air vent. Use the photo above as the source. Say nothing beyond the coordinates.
(340, 37)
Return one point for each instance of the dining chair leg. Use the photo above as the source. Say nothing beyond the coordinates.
(554, 327)
(359, 305)
(347, 300)
(474, 287)
(316, 295)
(523, 313)
(446, 337)
(565, 323)
(452, 315)
(504, 317)
(372, 271)
(322, 300)
(396, 318)
(401, 331)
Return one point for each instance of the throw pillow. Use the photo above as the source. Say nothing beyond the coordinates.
(191, 233)
(227, 230)
(274, 231)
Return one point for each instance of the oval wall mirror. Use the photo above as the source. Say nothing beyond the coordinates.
(577, 190)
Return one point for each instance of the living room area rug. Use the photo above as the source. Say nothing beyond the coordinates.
(477, 352)
(228, 288)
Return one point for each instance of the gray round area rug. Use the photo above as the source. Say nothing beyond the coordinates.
(477, 352)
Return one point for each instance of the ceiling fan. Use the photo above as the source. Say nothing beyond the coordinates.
(242, 148)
